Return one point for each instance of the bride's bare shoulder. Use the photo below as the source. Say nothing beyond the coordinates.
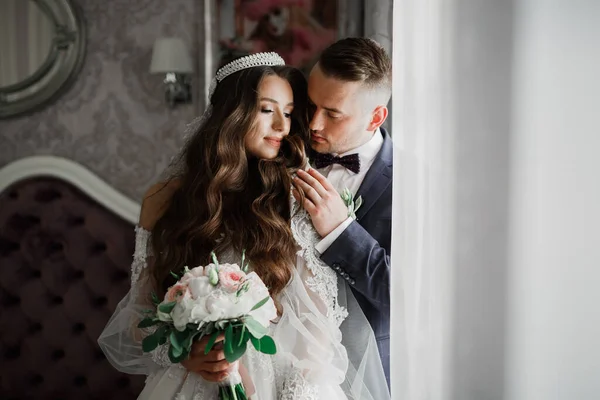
(156, 200)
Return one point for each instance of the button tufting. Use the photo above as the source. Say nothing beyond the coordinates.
(57, 300)
(13, 195)
(36, 273)
(12, 301)
(47, 195)
(98, 354)
(101, 301)
(7, 247)
(37, 380)
(78, 274)
(55, 247)
(99, 247)
(12, 353)
(58, 354)
(35, 328)
(76, 221)
(78, 327)
(123, 382)
(80, 380)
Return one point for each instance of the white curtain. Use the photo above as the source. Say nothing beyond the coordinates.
(26, 34)
(422, 256)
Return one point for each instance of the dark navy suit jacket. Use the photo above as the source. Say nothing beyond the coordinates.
(361, 254)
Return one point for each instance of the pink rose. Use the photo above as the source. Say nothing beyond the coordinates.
(230, 277)
(175, 292)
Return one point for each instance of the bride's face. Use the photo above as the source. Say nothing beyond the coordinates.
(273, 120)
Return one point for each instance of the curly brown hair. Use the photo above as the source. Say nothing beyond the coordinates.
(229, 199)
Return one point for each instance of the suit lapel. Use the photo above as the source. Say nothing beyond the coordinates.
(378, 178)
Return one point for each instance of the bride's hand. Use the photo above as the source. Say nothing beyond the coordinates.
(212, 366)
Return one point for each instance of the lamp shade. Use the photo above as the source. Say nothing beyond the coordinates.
(170, 55)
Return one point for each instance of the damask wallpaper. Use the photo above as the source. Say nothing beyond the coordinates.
(113, 119)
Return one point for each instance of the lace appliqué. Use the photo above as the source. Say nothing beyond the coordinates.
(296, 387)
(140, 254)
(160, 356)
(324, 281)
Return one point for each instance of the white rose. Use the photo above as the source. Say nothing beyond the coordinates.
(199, 287)
(199, 312)
(223, 305)
(192, 273)
(181, 313)
(265, 313)
(257, 292)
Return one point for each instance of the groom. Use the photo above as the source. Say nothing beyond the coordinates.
(349, 89)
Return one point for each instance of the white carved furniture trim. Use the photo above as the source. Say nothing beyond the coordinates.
(73, 173)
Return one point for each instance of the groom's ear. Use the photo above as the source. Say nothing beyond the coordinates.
(378, 117)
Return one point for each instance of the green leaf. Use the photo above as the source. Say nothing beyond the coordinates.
(265, 344)
(150, 343)
(359, 202)
(175, 354)
(236, 353)
(167, 307)
(242, 335)
(241, 393)
(260, 303)
(174, 338)
(147, 322)
(254, 327)
(155, 299)
(213, 277)
(243, 289)
(174, 275)
(189, 339)
(228, 343)
(243, 258)
(162, 340)
(214, 258)
(211, 342)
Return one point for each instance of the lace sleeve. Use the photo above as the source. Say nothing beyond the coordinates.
(121, 339)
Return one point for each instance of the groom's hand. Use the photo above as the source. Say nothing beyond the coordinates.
(212, 366)
(324, 204)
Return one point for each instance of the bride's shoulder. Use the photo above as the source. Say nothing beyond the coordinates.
(156, 200)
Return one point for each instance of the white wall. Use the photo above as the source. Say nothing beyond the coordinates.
(553, 317)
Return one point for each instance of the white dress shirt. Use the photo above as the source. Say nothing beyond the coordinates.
(341, 177)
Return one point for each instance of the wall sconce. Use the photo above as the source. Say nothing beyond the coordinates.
(170, 57)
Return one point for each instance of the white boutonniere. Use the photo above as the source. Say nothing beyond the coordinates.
(352, 204)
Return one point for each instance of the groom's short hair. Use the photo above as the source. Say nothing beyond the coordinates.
(359, 60)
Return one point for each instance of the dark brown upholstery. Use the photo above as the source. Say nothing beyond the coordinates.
(64, 266)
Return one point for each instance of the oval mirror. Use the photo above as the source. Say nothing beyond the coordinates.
(42, 47)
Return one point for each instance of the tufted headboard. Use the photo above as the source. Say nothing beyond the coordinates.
(64, 265)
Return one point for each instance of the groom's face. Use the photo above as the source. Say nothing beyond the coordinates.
(340, 117)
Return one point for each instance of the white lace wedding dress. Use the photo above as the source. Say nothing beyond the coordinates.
(312, 360)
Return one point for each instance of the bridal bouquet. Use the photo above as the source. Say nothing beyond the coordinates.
(210, 300)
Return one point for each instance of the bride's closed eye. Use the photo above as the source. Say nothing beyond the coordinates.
(267, 111)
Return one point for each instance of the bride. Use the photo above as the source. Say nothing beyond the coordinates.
(228, 191)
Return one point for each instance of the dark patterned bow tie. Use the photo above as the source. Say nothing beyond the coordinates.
(351, 161)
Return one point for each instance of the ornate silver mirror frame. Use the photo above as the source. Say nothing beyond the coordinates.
(60, 67)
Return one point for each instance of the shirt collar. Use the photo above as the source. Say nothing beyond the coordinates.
(369, 150)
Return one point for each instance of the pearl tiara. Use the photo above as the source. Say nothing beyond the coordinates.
(253, 60)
